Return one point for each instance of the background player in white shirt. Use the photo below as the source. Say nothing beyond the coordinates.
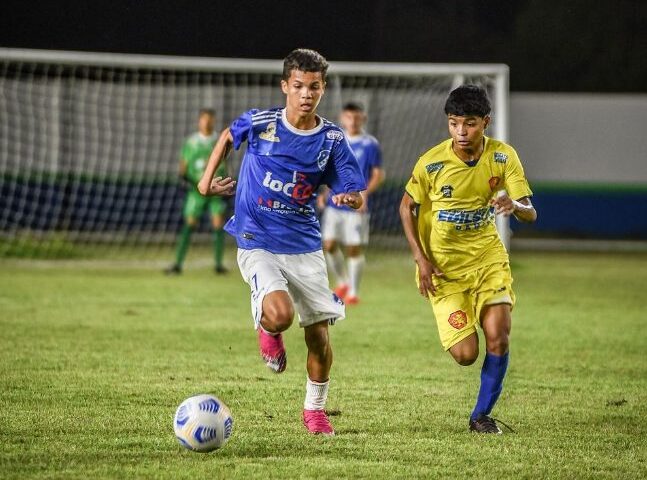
(342, 226)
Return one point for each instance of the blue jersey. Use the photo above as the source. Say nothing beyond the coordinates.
(281, 171)
(369, 156)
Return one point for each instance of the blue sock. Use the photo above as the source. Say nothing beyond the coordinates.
(492, 373)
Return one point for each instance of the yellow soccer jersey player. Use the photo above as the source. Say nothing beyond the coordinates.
(456, 221)
(448, 213)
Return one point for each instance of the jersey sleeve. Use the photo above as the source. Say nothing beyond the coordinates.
(516, 183)
(241, 128)
(344, 174)
(418, 185)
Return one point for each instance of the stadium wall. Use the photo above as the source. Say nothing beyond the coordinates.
(586, 157)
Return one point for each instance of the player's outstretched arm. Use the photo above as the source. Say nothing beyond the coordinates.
(522, 209)
(351, 199)
(377, 178)
(218, 186)
(426, 269)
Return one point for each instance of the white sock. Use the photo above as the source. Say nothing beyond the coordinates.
(355, 267)
(316, 395)
(335, 262)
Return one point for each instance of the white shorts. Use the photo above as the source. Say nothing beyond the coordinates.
(303, 276)
(346, 227)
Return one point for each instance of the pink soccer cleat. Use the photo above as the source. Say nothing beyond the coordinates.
(316, 421)
(272, 351)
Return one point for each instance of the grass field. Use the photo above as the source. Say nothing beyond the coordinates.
(94, 359)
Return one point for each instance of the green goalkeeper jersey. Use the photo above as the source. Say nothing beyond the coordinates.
(195, 154)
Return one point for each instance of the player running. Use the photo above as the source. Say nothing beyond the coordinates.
(343, 225)
(193, 160)
(462, 266)
(291, 151)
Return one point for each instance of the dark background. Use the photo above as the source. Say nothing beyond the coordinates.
(550, 45)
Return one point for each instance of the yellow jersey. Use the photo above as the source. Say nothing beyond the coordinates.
(456, 221)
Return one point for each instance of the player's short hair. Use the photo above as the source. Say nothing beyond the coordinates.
(207, 111)
(468, 100)
(305, 60)
(353, 107)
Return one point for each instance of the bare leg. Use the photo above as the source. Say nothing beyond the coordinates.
(319, 352)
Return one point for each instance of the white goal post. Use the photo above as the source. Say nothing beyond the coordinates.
(89, 141)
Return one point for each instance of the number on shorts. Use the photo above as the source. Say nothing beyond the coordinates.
(255, 280)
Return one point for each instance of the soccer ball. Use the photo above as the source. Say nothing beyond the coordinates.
(202, 423)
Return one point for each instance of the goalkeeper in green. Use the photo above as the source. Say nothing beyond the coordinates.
(193, 160)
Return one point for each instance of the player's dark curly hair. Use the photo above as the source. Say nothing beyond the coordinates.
(468, 100)
(305, 60)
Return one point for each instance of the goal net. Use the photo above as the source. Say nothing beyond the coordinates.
(89, 143)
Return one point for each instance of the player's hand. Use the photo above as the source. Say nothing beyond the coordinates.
(503, 204)
(426, 273)
(351, 199)
(219, 186)
(321, 202)
(364, 207)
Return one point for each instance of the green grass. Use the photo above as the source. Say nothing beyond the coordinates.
(94, 360)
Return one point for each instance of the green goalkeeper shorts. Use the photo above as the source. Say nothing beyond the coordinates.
(195, 205)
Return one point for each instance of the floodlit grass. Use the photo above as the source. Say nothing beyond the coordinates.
(95, 358)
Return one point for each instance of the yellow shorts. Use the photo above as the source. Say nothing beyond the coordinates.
(459, 301)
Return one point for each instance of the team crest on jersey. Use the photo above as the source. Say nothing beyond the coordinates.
(434, 167)
(458, 319)
(500, 157)
(322, 159)
(270, 133)
(334, 135)
(494, 182)
(447, 190)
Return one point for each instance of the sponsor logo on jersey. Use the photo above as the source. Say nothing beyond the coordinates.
(500, 157)
(334, 135)
(298, 188)
(270, 133)
(458, 319)
(447, 190)
(467, 219)
(435, 167)
(494, 182)
(322, 159)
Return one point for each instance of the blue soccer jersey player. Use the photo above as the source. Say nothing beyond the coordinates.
(344, 226)
(290, 152)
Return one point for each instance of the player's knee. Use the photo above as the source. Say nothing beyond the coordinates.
(466, 359)
(279, 315)
(217, 222)
(498, 344)
(354, 250)
(465, 354)
(191, 222)
(329, 246)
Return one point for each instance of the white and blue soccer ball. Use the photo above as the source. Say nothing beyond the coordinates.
(203, 423)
